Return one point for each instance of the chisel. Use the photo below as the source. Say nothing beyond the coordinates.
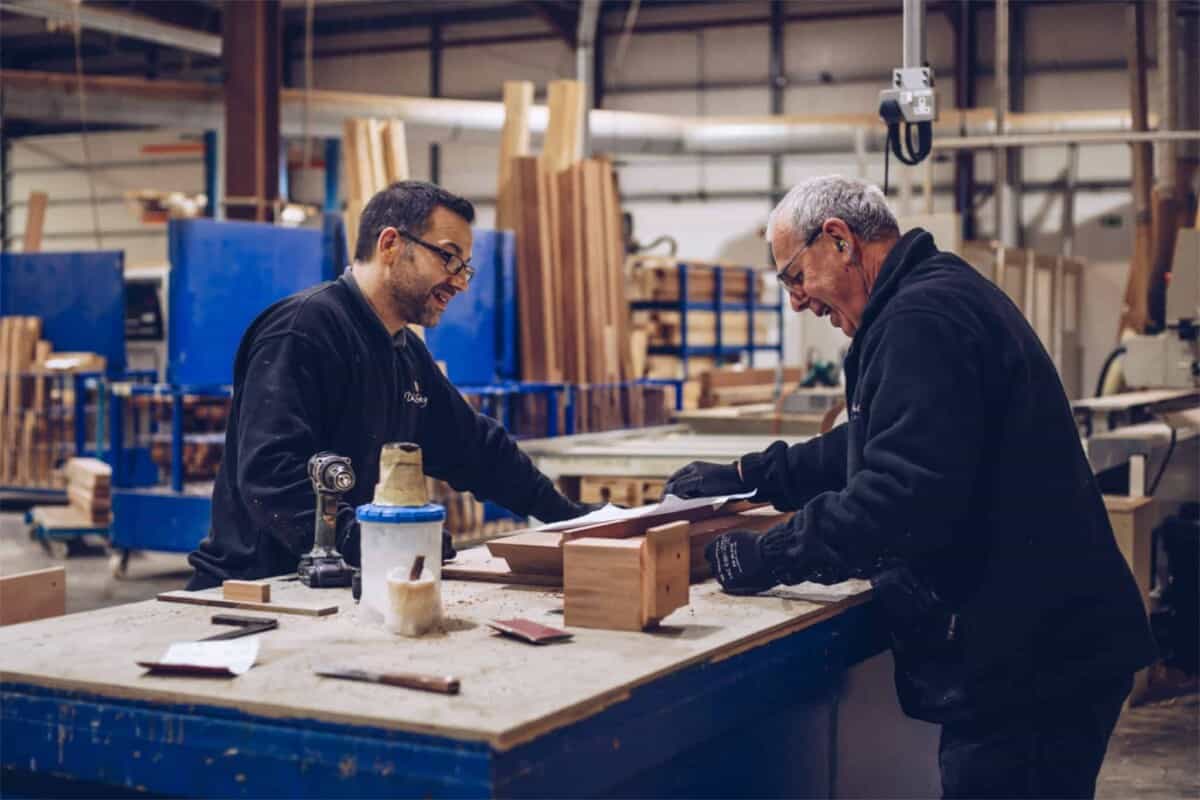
(443, 684)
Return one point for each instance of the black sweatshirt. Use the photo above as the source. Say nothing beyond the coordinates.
(319, 371)
(961, 459)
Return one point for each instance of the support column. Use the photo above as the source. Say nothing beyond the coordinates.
(435, 90)
(966, 68)
(1009, 90)
(778, 79)
(252, 60)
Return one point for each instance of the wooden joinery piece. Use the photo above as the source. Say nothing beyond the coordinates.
(626, 584)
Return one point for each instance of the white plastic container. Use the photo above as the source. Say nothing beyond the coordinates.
(392, 538)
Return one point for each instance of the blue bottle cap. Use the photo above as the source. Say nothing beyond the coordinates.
(430, 512)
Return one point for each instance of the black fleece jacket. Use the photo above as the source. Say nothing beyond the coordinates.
(319, 371)
(961, 459)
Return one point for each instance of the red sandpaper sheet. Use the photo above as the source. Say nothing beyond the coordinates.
(529, 631)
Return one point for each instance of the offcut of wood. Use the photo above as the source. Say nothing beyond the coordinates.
(33, 595)
(626, 584)
(210, 597)
(247, 591)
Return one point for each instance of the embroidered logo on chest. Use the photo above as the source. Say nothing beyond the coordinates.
(414, 396)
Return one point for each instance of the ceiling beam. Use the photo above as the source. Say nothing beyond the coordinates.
(133, 26)
(562, 19)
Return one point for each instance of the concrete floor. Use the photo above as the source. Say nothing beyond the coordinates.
(1154, 753)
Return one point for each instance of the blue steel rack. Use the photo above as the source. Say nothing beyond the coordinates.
(718, 306)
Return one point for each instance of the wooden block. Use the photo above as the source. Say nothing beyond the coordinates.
(33, 595)
(35, 222)
(602, 583)
(666, 563)
(626, 584)
(249, 591)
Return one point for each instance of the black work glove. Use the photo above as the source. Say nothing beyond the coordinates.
(555, 507)
(737, 562)
(448, 551)
(703, 479)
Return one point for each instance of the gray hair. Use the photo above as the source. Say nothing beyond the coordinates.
(859, 204)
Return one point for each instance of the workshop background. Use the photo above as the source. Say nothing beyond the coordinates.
(171, 167)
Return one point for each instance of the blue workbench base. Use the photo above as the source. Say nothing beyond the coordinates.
(692, 733)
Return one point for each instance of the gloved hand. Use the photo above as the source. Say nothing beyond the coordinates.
(557, 508)
(448, 551)
(737, 562)
(703, 479)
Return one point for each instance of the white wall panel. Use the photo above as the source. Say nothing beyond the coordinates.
(403, 73)
(482, 69)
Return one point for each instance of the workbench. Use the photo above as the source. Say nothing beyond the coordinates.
(732, 696)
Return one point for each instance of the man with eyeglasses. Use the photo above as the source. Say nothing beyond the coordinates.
(336, 368)
(959, 486)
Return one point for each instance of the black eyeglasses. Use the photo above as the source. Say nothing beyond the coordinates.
(453, 263)
(792, 281)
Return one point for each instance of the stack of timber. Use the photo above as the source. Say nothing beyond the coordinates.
(202, 453)
(657, 278)
(627, 492)
(740, 387)
(375, 157)
(89, 489)
(574, 315)
(204, 422)
(37, 404)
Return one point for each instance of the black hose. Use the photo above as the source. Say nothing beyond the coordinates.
(1162, 468)
(1118, 351)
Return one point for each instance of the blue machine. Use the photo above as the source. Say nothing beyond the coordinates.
(223, 274)
(80, 298)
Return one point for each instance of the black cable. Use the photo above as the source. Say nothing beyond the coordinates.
(1118, 351)
(886, 151)
(1163, 467)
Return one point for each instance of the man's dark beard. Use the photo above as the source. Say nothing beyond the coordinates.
(412, 307)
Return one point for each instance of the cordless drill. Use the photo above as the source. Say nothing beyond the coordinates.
(323, 566)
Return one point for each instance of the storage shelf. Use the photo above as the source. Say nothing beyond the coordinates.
(685, 306)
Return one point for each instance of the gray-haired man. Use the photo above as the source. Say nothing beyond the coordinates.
(960, 486)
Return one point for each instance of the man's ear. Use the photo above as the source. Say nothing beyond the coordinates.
(388, 242)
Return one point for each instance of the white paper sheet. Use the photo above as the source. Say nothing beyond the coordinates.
(670, 504)
(235, 655)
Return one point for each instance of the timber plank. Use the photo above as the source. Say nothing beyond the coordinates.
(33, 595)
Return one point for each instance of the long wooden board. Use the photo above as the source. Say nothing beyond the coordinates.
(212, 597)
(539, 553)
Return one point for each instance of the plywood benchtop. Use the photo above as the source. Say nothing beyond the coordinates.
(511, 692)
